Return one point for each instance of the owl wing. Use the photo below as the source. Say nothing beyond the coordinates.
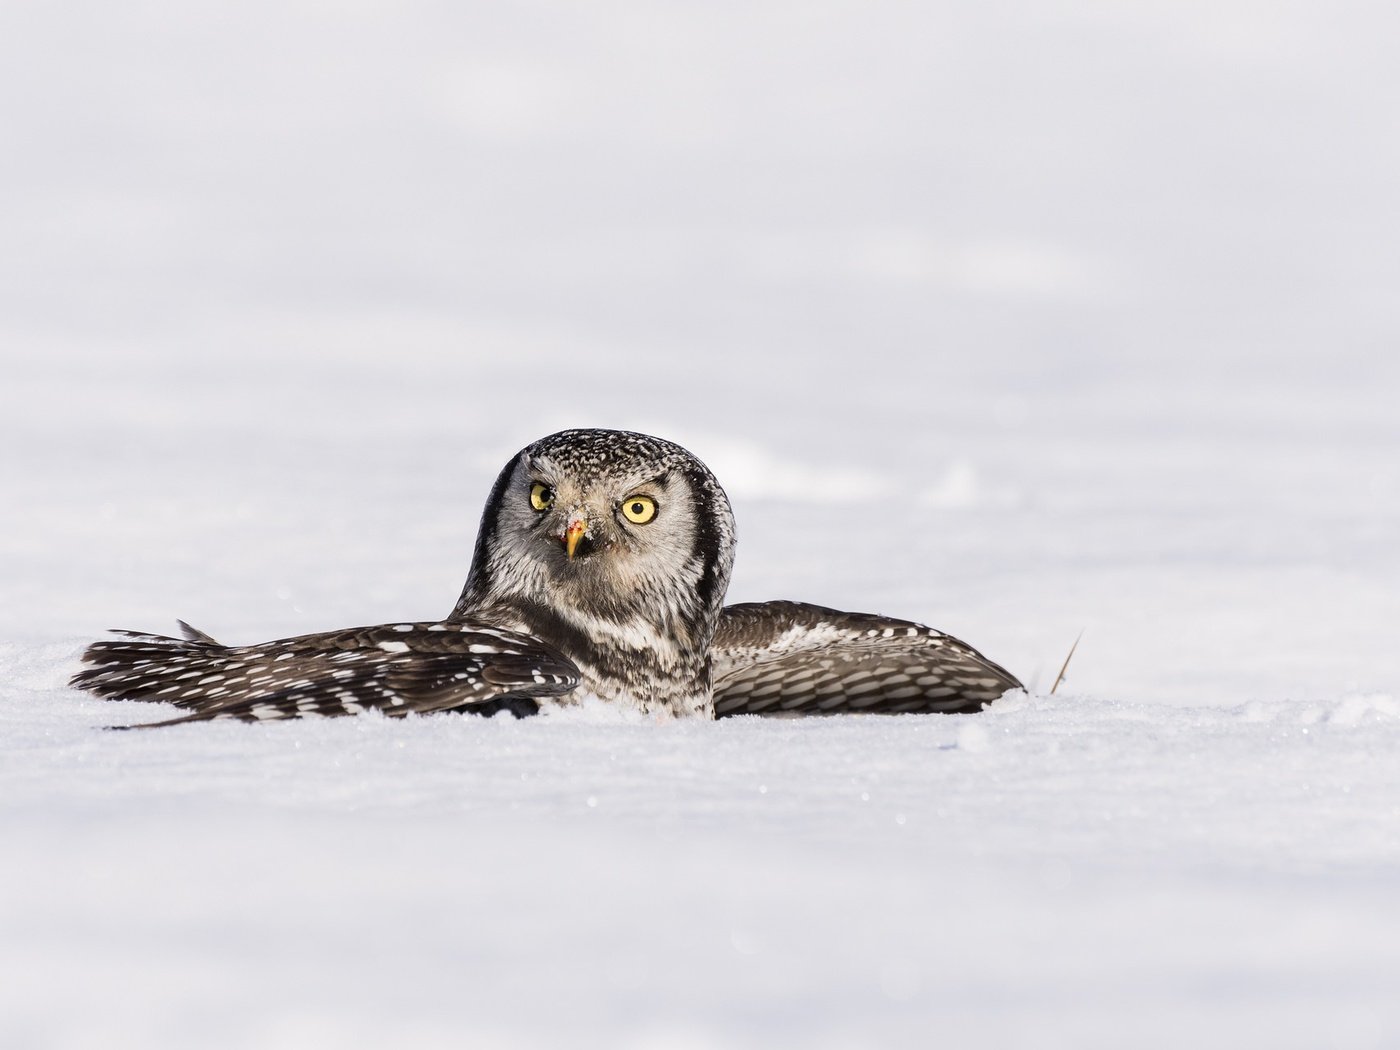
(397, 668)
(777, 658)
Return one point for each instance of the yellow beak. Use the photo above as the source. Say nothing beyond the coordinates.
(572, 535)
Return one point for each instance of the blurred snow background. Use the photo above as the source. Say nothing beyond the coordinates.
(1014, 319)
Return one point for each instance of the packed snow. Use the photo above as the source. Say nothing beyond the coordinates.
(1017, 321)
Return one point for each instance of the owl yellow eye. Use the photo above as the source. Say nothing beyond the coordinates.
(639, 509)
(541, 496)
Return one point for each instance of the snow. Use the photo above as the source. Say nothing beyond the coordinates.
(1014, 321)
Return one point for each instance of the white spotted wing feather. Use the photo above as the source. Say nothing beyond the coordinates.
(394, 668)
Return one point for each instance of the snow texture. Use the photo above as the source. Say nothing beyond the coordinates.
(1015, 320)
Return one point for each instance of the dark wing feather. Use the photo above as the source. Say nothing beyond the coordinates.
(394, 668)
(775, 658)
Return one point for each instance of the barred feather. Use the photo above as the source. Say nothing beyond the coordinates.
(774, 658)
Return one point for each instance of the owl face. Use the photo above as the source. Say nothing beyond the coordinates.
(611, 531)
(611, 524)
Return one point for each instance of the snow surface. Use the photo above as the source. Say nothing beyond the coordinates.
(1016, 320)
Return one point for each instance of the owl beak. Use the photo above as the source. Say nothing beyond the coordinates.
(573, 535)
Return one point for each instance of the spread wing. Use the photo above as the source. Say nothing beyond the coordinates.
(394, 668)
(775, 658)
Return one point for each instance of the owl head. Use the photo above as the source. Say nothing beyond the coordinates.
(610, 525)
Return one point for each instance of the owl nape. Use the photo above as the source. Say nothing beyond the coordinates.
(600, 571)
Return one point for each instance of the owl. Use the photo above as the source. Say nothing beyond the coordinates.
(599, 572)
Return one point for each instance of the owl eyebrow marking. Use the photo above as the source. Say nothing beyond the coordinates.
(661, 481)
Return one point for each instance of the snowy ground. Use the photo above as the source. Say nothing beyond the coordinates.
(1015, 322)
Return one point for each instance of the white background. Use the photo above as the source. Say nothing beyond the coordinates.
(1016, 320)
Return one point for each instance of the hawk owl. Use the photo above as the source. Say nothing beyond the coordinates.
(600, 570)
